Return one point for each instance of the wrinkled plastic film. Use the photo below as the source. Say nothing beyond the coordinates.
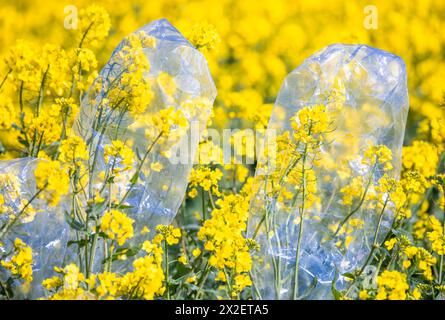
(365, 91)
(157, 195)
(46, 231)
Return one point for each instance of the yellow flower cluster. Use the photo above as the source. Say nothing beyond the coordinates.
(22, 64)
(206, 178)
(20, 264)
(409, 253)
(223, 239)
(168, 125)
(299, 180)
(433, 127)
(353, 191)
(437, 242)
(73, 151)
(168, 233)
(85, 68)
(378, 154)
(145, 281)
(29, 70)
(93, 25)
(392, 285)
(310, 123)
(426, 223)
(223, 234)
(118, 156)
(204, 36)
(69, 287)
(133, 90)
(241, 281)
(347, 229)
(117, 226)
(421, 156)
(52, 179)
(45, 128)
(392, 191)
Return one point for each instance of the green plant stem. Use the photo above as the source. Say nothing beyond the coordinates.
(373, 248)
(255, 233)
(41, 91)
(362, 200)
(228, 282)
(203, 205)
(300, 228)
(212, 202)
(17, 217)
(37, 111)
(5, 290)
(441, 279)
(22, 117)
(4, 78)
(63, 133)
(202, 281)
(289, 167)
(276, 265)
(92, 252)
(167, 280)
(138, 170)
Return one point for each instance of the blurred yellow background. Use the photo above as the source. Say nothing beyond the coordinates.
(261, 41)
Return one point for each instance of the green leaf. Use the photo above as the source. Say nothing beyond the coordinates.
(121, 206)
(349, 275)
(97, 208)
(337, 294)
(134, 178)
(174, 282)
(80, 243)
(73, 223)
(129, 252)
(309, 289)
(103, 235)
(8, 287)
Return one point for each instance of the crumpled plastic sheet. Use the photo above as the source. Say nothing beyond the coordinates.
(371, 87)
(47, 234)
(158, 195)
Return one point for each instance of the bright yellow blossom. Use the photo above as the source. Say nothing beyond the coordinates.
(20, 264)
(52, 179)
(117, 226)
